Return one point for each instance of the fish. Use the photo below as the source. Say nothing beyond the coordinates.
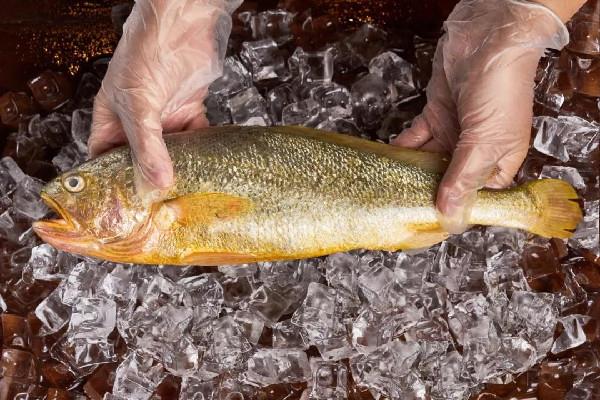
(246, 194)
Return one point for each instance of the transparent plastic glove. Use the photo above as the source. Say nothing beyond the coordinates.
(480, 97)
(170, 51)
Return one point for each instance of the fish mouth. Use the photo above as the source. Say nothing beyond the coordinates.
(58, 232)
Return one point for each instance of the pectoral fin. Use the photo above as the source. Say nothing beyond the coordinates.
(200, 208)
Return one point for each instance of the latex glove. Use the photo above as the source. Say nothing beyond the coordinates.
(170, 51)
(480, 97)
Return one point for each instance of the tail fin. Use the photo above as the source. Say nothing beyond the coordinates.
(559, 211)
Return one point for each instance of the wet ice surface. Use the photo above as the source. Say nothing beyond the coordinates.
(492, 306)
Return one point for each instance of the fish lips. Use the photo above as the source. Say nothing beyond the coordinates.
(62, 233)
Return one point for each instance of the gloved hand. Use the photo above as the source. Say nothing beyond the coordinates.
(170, 51)
(480, 97)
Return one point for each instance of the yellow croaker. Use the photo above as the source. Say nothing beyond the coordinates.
(246, 194)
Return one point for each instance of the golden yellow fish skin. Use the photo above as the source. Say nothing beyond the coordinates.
(307, 197)
(246, 194)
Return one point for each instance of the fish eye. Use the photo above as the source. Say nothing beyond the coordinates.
(74, 183)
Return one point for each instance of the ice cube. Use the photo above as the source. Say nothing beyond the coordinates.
(300, 113)
(313, 66)
(52, 312)
(568, 174)
(480, 361)
(181, 357)
(162, 290)
(395, 70)
(547, 91)
(317, 311)
(92, 319)
(410, 271)
(165, 324)
(499, 238)
(118, 282)
(336, 344)
(13, 225)
(374, 282)
(447, 382)
(587, 389)
(81, 125)
(366, 42)
(573, 334)
(340, 125)
(278, 98)
(18, 365)
(248, 107)
(342, 272)
(469, 320)
(334, 98)
(205, 290)
(329, 381)
(250, 324)
(516, 355)
(287, 335)
(10, 167)
(217, 111)
(504, 273)
(83, 355)
(587, 234)
(234, 79)
(371, 100)
(280, 275)
(138, 376)
(547, 140)
(272, 24)
(49, 264)
(52, 130)
(395, 122)
(69, 157)
(271, 366)
(229, 346)
(383, 368)
(264, 59)
(381, 288)
(88, 87)
(195, 388)
(268, 304)
(366, 330)
(110, 396)
(534, 314)
(451, 267)
(26, 198)
(566, 137)
(83, 281)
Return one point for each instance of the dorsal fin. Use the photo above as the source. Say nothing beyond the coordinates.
(432, 162)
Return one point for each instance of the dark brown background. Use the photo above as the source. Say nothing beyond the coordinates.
(67, 34)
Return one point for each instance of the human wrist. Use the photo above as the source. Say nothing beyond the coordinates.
(564, 9)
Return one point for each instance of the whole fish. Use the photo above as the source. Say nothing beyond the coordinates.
(247, 194)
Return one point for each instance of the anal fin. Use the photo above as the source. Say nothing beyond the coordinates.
(424, 236)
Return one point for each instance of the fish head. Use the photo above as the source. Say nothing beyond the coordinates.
(96, 204)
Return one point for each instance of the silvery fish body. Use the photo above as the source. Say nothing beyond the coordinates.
(246, 194)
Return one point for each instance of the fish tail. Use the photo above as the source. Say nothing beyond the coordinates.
(559, 213)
